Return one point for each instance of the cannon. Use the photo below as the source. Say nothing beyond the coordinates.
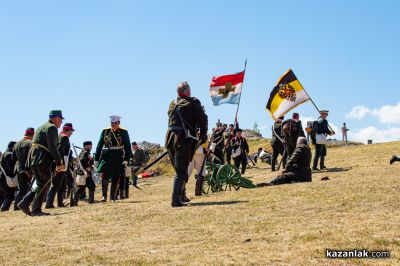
(220, 177)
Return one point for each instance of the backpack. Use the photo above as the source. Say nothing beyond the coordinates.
(290, 128)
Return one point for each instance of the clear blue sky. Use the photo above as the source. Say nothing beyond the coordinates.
(96, 58)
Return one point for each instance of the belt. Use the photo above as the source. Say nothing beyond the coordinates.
(176, 128)
(40, 146)
(115, 148)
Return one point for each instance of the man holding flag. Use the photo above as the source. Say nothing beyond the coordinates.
(289, 93)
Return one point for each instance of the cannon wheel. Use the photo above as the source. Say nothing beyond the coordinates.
(229, 177)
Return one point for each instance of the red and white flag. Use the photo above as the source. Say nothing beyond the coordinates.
(226, 89)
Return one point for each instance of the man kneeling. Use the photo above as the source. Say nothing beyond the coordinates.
(297, 168)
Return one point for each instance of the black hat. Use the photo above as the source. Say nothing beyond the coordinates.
(87, 143)
(68, 127)
(11, 144)
(29, 131)
(134, 143)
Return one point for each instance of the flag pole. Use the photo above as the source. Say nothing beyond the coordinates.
(312, 101)
(240, 96)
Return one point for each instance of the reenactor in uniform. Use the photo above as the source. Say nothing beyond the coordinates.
(43, 159)
(24, 175)
(297, 167)
(228, 137)
(186, 119)
(292, 130)
(217, 138)
(112, 156)
(320, 149)
(7, 168)
(277, 144)
(240, 149)
(87, 165)
(138, 160)
(61, 179)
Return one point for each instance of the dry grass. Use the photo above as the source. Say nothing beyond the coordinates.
(284, 225)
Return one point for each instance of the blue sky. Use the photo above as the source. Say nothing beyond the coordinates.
(96, 58)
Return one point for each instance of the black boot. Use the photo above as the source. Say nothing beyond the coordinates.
(315, 163)
(5, 206)
(18, 198)
(184, 197)
(37, 205)
(24, 204)
(50, 199)
(60, 199)
(394, 159)
(273, 164)
(113, 191)
(91, 196)
(177, 193)
(122, 193)
(104, 189)
(322, 163)
(75, 198)
(126, 191)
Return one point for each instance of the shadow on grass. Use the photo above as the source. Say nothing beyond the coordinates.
(335, 170)
(218, 203)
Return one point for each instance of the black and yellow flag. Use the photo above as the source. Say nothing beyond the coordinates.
(286, 95)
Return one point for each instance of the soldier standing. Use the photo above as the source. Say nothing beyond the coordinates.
(112, 155)
(229, 136)
(24, 175)
(322, 131)
(7, 165)
(59, 181)
(240, 149)
(87, 165)
(344, 134)
(185, 114)
(277, 144)
(217, 138)
(138, 160)
(43, 158)
(292, 129)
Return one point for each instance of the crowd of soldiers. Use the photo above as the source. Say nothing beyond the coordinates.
(45, 167)
(41, 167)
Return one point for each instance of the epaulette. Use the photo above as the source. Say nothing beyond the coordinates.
(106, 128)
(123, 128)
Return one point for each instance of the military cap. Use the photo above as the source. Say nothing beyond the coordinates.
(115, 118)
(324, 111)
(29, 131)
(68, 127)
(56, 113)
(134, 143)
(87, 143)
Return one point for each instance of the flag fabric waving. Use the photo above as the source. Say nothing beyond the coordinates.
(226, 89)
(286, 95)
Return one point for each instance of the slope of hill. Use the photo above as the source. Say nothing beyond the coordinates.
(289, 224)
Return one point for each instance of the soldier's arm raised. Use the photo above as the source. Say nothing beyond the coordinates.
(100, 146)
(52, 141)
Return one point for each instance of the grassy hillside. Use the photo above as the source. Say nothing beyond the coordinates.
(283, 225)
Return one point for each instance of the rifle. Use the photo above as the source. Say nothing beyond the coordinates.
(150, 165)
